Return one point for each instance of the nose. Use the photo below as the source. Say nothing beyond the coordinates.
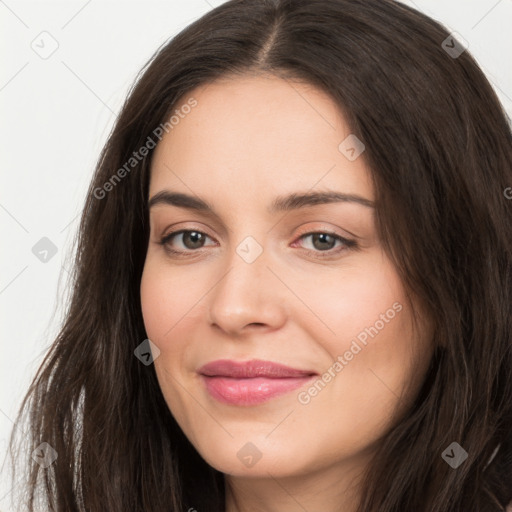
(247, 297)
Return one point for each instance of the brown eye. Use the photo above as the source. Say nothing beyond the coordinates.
(323, 241)
(190, 240)
(323, 244)
(193, 239)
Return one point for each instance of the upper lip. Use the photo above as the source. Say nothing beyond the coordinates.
(251, 369)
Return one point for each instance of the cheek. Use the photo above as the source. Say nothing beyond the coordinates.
(170, 299)
(352, 299)
(166, 314)
(173, 307)
(370, 339)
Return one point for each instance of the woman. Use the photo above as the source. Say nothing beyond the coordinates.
(293, 281)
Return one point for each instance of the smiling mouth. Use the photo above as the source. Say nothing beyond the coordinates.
(252, 382)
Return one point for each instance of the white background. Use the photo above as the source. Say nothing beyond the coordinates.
(57, 113)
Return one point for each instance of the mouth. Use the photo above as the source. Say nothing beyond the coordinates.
(251, 382)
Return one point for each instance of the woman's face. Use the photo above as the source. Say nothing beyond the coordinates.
(250, 282)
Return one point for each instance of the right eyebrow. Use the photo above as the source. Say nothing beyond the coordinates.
(181, 200)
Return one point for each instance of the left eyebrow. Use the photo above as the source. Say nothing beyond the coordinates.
(281, 203)
(295, 201)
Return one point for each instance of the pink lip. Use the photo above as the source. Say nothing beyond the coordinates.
(251, 382)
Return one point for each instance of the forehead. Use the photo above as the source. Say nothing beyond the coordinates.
(256, 136)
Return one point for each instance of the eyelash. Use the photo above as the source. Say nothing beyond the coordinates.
(349, 244)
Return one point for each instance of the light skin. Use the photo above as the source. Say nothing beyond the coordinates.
(249, 140)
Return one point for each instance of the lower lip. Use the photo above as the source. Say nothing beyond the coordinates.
(251, 391)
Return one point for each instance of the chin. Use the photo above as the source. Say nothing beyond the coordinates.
(256, 456)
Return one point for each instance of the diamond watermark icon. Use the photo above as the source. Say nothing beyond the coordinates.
(147, 352)
(249, 454)
(248, 249)
(454, 455)
(44, 250)
(45, 45)
(351, 147)
(454, 45)
(44, 455)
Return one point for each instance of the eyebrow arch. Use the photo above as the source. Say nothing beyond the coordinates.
(281, 203)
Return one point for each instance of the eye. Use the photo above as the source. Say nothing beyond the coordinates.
(324, 242)
(190, 239)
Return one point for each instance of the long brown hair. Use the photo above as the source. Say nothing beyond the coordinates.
(440, 152)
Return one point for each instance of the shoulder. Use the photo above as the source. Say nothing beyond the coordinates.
(509, 507)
